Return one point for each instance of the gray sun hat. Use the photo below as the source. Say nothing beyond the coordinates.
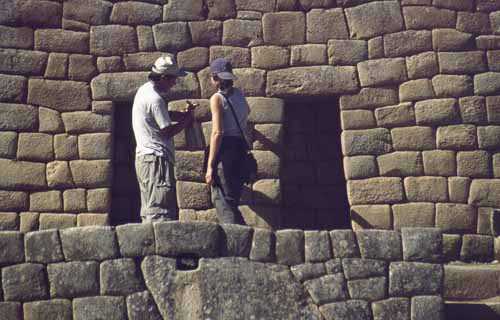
(166, 65)
(223, 69)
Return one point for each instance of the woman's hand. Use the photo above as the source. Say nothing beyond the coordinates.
(209, 176)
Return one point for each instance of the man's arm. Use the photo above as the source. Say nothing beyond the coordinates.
(174, 129)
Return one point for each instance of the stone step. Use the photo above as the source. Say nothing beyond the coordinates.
(487, 309)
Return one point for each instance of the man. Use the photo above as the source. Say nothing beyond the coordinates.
(154, 132)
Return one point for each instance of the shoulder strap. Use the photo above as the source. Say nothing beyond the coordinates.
(236, 119)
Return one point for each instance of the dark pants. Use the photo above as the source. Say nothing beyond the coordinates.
(229, 180)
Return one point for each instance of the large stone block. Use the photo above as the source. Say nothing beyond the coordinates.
(92, 12)
(423, 65)
(375, 190)
(308, 271)
(86, 121)
(59, 95)
(284, 28)
(469, 283)
(328, 288)
(120, 277)
(91, 174)
(437, 112)
(268, 164)
(458, 189)
(347, 52)
(50, 121)
(12, 88)
(22, 175)
(136, 13)
(95, 146)
(317, 246)
(136, 240)
(43, 247)
(357, 119)
(141, 306)
(422, 244)
(65, 147)
(242, 33)
(18, 38)
(493, 109)
(18, 117)
(348, 310)
(400, 164)
(11, 247)
(263, 245)
(426, 189)
(473, 22)
(172, 36)
(270, 57)
(407, 42)
(89, 243)
(344, 244)
(41, 14)
(194, 59)
(450, 39)
(112, 40)
(46, 201)
(356, 268)
(58, 40)
(470, 62)
(184, 10)
(457, 137)
(369, 141)
(23, 62)
(485, 193)
(369, 98)
(487, 83)
(325, 24)
(24, 282)
(371, 289)
(193, 195)
(416, 90)
(427, 307)
(112, 308)
(82, 67)
(394, 116)
(8, 144)
(373, 19)
(473, 110)
(455, 218)
(478, 248)
(488, 137)
(117, 86)
(312, 81)
(488, 42)
(475, 164)
(56, 309)
(452, 86)
(199, 238)
(308, 55)
(382, 72)
(439, 163)
(251, 81)
(13, 200)
(380, 244)
(428, 18)
(415, 278)
(360, 167)
(111, 64)
(238, 240)
(28, 221)
(289, 247)
(9, 221)
(370, 217)
(57, 221)
(413, 215)
(35, 146)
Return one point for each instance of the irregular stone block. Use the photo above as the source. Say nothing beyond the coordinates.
(459, 189)
(450, 39)
(90, 243)
(59, 175)
(470, 62)
(380, 244)
(457, 137)
(425, 279)
(110, 64)
(22, 175)
(308, 54)
(493, 108)
(487, 83)
(92, 12)
(469, 283)
(325, 24)
(375, 190)
(270, 57)
(308, 271)
(57, 309)
(81, 67)
(493, 60)
(315, 81)
(112, 308)
(370, 217)
(363, 268)
(99, 200)
(284, 28)
(454, 5)
(32, 13)
(193, 195)
(268, 164)
(371, 289)
(136, 13)
(359, 167)
(65, 147)
(91, 174)
(184, 10)
(46, 201)
(369, 98)
(200, 238)
(94, 146)
(391, 309)
(452, 86)
(239, 57)
(58, 40)
(407, 42)
(427, 307)
(376, 48)
(473, 22)
(317, 246)
(451, 247)
(35, 146)
(437, 112)
(13, 200)
(263, 245)
(242, 33)
(92, 219)
(11, 247)
(439, 163)
(347, 52)
(141, 306)
(28, 221)
(474, 164)
(400, 164)
(348, 310)
(59, 95)
(426, 189)
(413, 215)
(488, 137)
(328, 288)
(268, 137)
(416, 90)
(43, 247)
(238, 240)
(251, 81)
(422, 244)
(114, 40)
(428, 18)
(476, 248)
(120, 277)
(373, 19)
(136, 240)
(455, 218)
(57, 221)
(206, 33)
(24, 282)
(23, 62)
(18, 117)
(18, 38)
(333, 266)
(73, 279)
(344, 244)
(473, 110)
(289, 247)
(369, 141)
(423, 65)
(12, 88)
(50, 121)
(357, 119)
(8, 144)
(9, 221)
(382, 72)
(117, 87)
(488, 42)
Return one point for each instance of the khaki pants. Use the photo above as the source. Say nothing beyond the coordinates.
(157, 186)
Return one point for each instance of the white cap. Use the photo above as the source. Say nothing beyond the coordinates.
(167, 65)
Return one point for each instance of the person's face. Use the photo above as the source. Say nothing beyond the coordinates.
(166, 82)
(214, 81)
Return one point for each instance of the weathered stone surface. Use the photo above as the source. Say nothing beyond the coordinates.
(473, 110)
(59, 95)
(136, 239)
(57, 221)
(357, 119)
(452, 86)
(359, 167)
(308, 271)
(93, 12)
(86, 121)
(251, 81)
(11, 247)
(466, 283)
(136, 13)
(376, 48)
(22, 175)
(344, 244)
(369, 141)
(484, 192)
(328, 288)
(375, 190)
(9, 221)
(18, 117)
(416, 90)
(473, 22)
(380, 244)
(43, 247)
(120, 277)
(110, 64)
(268, 164)
(363, 268)
(487, 83)
(193, 195)
(141, 305)
(23, 62)
(423, 65)
(263, 245)
(493, 58)
(184, 10)
(35, 146)
(239, 57)
(316, 81)
(325, 24)
(92, 219)
(241, 33)
(140, 61)
(24, 282)
(81, 67)
(348, 310)
(145, 39)
(65, 147)
(113, 40)
(289, 247)
(333, 266)
(437, 112)
(474, 164)
(95, 146)
(407, 42)
(451, 247)
(270, 57)
(426, 189)
(75, 25)
(284, 28)
(31, 13)
(454, 5)
(422, 244)
(99, 200)
(457, 137)
(488, 42)
(370, 217)
(493, 108)
(439, 163)
(391, 309)
(238, 240)
(371, 289)
(369, 98)
(317, 246)
(13, 200)
(50, 121)
(267, 192)
(90, 243)
(268, 137)
(400, 164)
(470, 62)
(28, 221)
(427, 307)
(450, 39)
(455, 218)
(308, 55)
(57, 40)
(382, 72)
(347, 52)
(413, 215)
(112, 308)
(488, 137)
(12, 88)
(476, 248)
(428, 18)
(373, 19)
(18, 38)
(91, 174)
(62, 278)
(458, 188)
(46, 201)
(212, 293)
(189, 166)
(8, 144)
(56, 309)
(415, 278)
(117, 87)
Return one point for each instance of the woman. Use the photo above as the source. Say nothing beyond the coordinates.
(227, 144)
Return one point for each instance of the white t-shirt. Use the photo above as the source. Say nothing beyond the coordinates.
(149, 117)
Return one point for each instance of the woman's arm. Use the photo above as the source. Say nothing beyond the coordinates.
(216, 135)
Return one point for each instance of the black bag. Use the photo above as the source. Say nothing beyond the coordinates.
(249, 165)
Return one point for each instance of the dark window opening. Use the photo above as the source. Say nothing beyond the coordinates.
(313, 185)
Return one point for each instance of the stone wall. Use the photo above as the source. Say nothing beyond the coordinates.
(195, 270)
(417, 80)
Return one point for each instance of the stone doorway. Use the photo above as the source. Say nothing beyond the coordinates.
(125, 193)
(312, 178)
